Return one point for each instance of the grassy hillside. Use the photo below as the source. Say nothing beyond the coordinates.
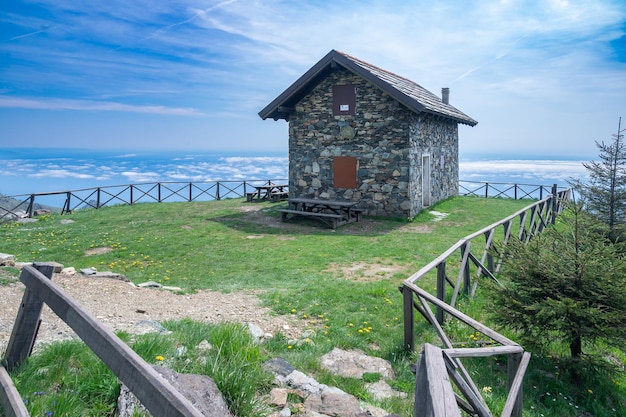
(344, 282)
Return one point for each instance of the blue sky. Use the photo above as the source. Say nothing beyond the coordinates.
(543, 78)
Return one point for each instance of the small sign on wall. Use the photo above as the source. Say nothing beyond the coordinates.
(344, 99)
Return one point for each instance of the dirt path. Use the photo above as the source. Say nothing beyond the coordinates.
(121, 305)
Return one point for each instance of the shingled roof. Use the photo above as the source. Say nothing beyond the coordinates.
(407, 92)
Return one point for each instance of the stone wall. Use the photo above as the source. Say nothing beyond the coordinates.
(437, 139)
(386, 138)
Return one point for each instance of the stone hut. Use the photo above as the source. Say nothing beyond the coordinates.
(360, 133)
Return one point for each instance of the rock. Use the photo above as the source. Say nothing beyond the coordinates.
(70, 271)
(169, 288)
(302, 382)
(278, 397)
(256, 332)
(370, 410)
(279, 366)
(127, 403)
(66, 221)
(319, 400)
(6, 256)
(200, 390)
(88, 271)
(7, 260)
(381, 390)
(333, 403)
(353, 364)
(204, 346)
(150, 284)
(108, 274)
(41, 212)
(26, 220)
(149, 326)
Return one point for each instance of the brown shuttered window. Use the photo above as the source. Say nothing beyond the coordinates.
(344, 100)
(344, 172)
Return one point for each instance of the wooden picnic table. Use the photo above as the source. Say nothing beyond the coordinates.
(266, 191)
(332, 212)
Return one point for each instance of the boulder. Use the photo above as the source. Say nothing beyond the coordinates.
(353, 364)
(200, 390)
(7, 260)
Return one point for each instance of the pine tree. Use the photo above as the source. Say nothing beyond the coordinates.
(604, 195)
(565, 285)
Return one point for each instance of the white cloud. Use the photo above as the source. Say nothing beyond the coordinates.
(139, 177)
(87, 105)
(59, 173)
(228, 59)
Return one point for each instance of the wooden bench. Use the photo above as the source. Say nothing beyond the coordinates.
(358, 213)
(279, 195)
(332, 220)
(250, 196)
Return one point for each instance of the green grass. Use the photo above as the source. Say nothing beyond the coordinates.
(67, 379)
(217, 245)
(303, 269)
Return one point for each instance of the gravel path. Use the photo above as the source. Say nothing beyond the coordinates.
(121, 305)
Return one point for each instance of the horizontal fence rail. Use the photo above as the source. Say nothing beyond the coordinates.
(454, 269)
(98, 197)
(154, 392)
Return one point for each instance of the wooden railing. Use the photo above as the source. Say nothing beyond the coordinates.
(505, 190)
(455, 268)
(158, 192)
(205, 191)
(154, 392)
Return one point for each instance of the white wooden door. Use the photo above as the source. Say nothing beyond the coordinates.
(425, 180)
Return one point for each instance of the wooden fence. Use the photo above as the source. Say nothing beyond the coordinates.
(158, 395)
(504, 190)
(435, 369)
(205, 191)
(158, 192)
(455, 268)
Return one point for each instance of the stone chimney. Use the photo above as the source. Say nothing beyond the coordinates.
(445, 95)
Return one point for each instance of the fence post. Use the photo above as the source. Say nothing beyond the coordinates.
(513, 363)
(441, 289)
(98, 198)
(67, 206)
(554, 203)
(409, 319)
(486, 189)
(31, 206)
(467, 283)
(515, 192)
(190, 192)
(158, 192)
(26, 323)
(131, 194)
(488, 245)
(217, 191)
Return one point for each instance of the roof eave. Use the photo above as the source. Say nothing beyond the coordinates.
(297, 90)
(302, 83)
